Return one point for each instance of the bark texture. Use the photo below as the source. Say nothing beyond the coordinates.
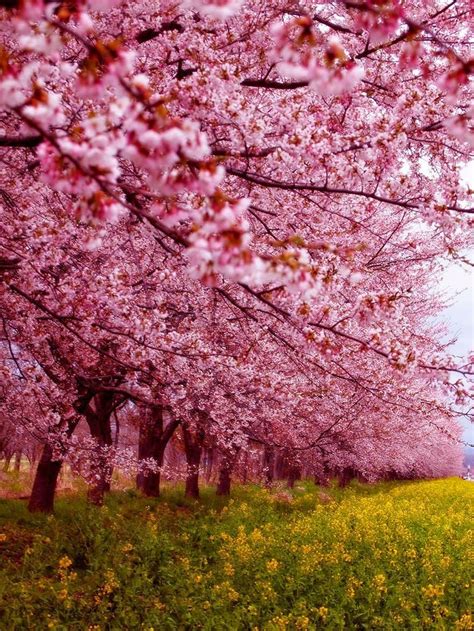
(152, 441)
(44, 485)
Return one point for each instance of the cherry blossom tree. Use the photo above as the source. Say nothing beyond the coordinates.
(231, 217)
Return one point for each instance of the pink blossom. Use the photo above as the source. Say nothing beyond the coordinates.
(219, 9)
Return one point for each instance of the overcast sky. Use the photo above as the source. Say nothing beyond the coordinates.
(460, 316)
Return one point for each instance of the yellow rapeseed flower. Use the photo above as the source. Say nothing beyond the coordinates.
(302, 622)
(272, 566)
(465, 623)
(323, 612)
(280, 622)
(379, 583)
(62, 595)
(65, 562)
(433, 591)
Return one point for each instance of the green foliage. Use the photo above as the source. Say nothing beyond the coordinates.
(388, 556)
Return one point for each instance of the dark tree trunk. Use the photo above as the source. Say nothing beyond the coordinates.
(152, 441)
(294, 474)
(148, 482)
(245, 467)
(17, 465)
(323, 478)
(193, 451)
(44, 485)
(209, 462)
(269, 464)
(223, 485)
(149, 446)
(6, 466)
(31, 461)
(345, 476)
(100, 429)
(97, 491)
(117, 429)
(280, 467)
(47, 474)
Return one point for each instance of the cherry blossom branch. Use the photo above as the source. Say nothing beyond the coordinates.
(29, 142)
(268, 182)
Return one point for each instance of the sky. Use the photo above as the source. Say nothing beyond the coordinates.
(460, 319)
(459, 281)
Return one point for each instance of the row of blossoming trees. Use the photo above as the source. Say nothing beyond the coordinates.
(223, 224)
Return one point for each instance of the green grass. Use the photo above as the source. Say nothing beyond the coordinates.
(388, 556)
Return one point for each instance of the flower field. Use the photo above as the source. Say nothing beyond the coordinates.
(387, 556)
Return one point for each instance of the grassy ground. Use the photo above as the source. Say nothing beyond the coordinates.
(387, 556)
(17, 484)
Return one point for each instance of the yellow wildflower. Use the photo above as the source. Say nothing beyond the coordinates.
(323, 612)
(65, 562)
(272, 566)
(465, 623)
(62, 595)
(280, 622)
(256, 535)
(433, 591)
(302, 622)
(379, 583)
(232, 595)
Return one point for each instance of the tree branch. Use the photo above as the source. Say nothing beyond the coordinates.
(28, 142)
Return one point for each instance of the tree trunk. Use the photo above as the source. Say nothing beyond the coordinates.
(99, 425)
(44, 485)
(149, 446)
(97, 490)
(280, 467)
(345, 476)
(223, 486)
(245, 467)
(193, 451)
(47, 474)
(17, 465)
(32, 461)
(294, 474)
(209, 462)
(321, 480)
(269, 464)
(117, 429)
(152, 441)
